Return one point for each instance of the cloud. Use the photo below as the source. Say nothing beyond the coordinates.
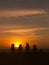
(26, 32)
(27, 21)
(21, 13)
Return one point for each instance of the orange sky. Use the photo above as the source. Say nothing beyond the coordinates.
(21, 26)
(24, 21)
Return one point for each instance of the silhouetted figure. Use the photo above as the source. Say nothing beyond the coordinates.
(12, 48)
(35, 49)
(20, 48)
(27, 48)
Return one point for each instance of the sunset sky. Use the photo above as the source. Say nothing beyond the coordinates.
(24, 21)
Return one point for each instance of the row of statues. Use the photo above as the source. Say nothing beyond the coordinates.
(27, 48)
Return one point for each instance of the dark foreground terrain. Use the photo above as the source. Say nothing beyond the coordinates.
(23, 58)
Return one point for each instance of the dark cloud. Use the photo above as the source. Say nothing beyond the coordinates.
(24, 4)
(26, 21)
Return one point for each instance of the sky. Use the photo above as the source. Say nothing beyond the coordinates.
(24, 21)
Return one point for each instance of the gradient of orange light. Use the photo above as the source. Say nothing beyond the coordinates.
(20, 40)
(15, 40)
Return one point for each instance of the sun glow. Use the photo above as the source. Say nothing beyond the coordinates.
(17, 44)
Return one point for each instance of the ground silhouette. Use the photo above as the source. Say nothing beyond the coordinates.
(28, 57)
